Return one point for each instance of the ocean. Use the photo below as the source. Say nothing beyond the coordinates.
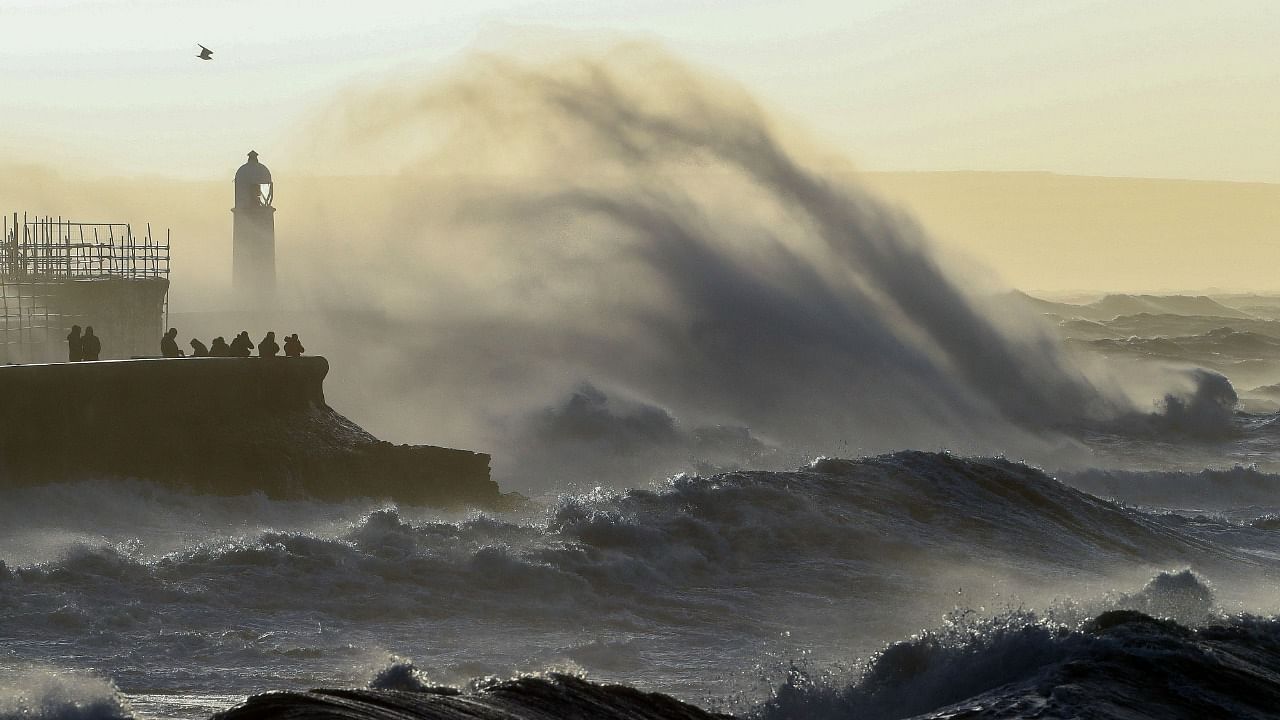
(884, 586)
(783, 459)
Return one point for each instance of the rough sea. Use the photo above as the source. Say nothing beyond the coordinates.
(812, 468)
(914, 583)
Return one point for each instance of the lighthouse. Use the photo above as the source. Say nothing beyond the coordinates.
(253, 236)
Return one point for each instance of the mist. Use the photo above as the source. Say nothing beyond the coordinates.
(623, 220)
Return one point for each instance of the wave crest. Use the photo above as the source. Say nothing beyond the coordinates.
(49, 695)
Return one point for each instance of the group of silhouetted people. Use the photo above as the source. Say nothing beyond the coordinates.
(87, 346)
(83, 347)
(240, 346)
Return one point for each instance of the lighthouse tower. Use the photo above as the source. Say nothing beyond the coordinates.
(253, 249)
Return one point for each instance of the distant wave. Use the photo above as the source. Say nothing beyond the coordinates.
(1149, 325)
(1207, 489)
(1118, 306)
(1222, 340)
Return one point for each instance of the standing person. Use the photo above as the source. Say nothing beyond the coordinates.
(199, 349)
(293, 346)
(75, 345)
(91, 345)
(268, 347)
(169, 344)
(219, 348)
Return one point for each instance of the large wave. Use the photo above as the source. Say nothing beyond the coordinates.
(684, 587)
(622, 219)
(1123, 664)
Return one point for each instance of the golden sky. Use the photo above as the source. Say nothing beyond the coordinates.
(1063, 235)
(1175, 89)
(1178, 89)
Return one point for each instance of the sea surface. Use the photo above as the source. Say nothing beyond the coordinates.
(912, 583)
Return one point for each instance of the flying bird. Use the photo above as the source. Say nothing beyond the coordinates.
(205, 53)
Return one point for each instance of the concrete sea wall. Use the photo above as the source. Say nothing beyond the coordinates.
(216, 425)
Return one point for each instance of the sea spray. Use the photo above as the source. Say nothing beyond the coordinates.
(43, 694)
(621, 219)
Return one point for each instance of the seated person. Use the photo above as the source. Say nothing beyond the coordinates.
(169, 344)
(241, 345)
(293, 346)
(268, 347)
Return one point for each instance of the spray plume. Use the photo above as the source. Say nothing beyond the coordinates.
(621, 219)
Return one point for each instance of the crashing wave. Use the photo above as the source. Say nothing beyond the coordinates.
(49, 695)
(843, 555)
(1122, 665)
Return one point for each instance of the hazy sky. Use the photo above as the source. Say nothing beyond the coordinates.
(1177, 88)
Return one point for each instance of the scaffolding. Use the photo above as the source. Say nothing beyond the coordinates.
(44, 258)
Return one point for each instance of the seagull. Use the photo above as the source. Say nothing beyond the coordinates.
(205, 53)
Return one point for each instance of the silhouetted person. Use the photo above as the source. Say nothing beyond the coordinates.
(169, 344)
(199, 349)
(241, 345)
(91, 345)
(75, 345)
(219, 348)
(267, 347)
(293, 346)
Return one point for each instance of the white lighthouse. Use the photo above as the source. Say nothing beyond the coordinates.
(253, 250)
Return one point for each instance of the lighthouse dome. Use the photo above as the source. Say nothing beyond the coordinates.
(253, 184)
(253, 172)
